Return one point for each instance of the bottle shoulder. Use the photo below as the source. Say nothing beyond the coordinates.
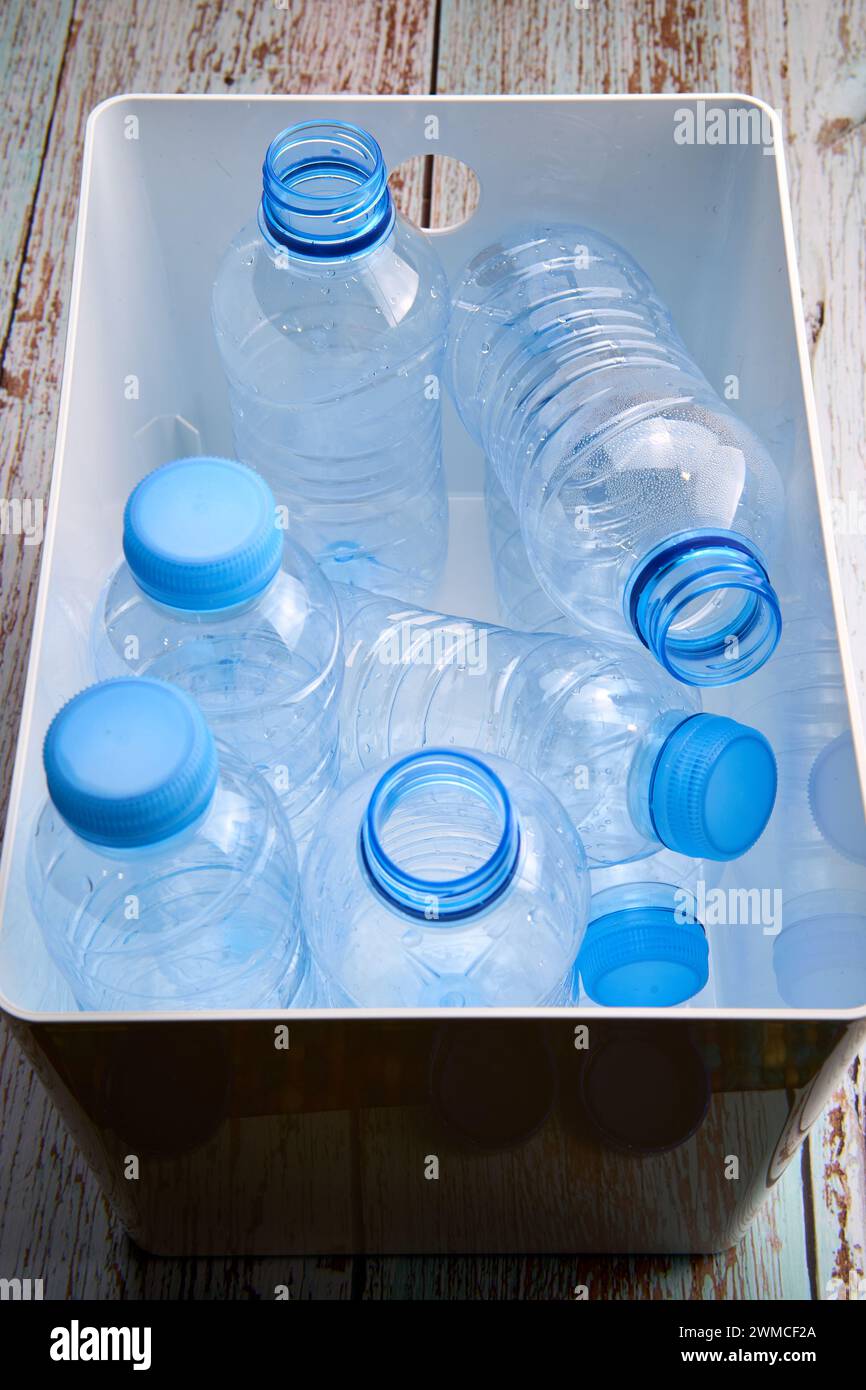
(382, 954)
(538, 262)
(291, 635)
(240, 835)
(398, 287)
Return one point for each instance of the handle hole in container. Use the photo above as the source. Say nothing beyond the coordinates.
(435, 191)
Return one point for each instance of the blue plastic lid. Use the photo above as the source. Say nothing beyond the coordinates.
(200, 534)
(650, 954)
(130, 762)
(835, 798)
(713, 788)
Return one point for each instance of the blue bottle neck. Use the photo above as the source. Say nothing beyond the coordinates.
(666, 902)
(432, 796)
(703, 604)
(203, 615)
(325, 192)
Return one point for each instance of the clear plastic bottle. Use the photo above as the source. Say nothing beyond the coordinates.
(646, 505)
(213, 597)
(162, 869)
(623, 746)
(330, 313)
(523, 604)
(795, 907)
(446, 880)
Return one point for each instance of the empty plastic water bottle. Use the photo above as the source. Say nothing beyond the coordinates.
(446, 880)
(795, 906)
(330, 313)
(645, 944)
(623, 746)
(523, 604)
(801, 706)
(162, 870)
(646, 505)
(213, 597)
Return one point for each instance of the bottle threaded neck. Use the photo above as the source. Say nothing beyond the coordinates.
(439, 840)
(703, 603)
(325, 192)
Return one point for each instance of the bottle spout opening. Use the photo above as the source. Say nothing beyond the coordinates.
(325, 191)
(439, 840)
(705, 607)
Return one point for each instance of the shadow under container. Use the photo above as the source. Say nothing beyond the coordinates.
(564, 1130)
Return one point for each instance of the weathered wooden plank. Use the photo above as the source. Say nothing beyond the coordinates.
(648, 46)
(54, 1225)
(674, 1203)
(837, 1172)
(32, 43)
(771, 1264)
(813, 70)
(300, 1280)
(811, 66)
(52, 1217)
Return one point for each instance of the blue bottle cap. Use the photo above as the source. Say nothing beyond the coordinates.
(713, 787)
(200, 534)
(650, 953)
(130, 762)
(835, 798)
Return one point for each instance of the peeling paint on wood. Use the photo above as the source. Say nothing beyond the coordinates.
(837, 1173)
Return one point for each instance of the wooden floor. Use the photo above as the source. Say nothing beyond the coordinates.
(58, 58)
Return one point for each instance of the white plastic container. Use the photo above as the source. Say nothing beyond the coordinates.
(316, 1139)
